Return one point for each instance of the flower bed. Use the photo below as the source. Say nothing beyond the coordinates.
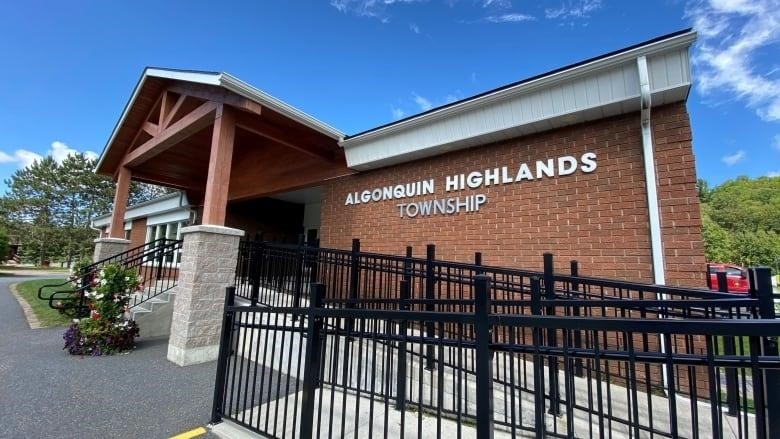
(105, 331)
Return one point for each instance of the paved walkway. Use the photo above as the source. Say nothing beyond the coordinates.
(44, 392)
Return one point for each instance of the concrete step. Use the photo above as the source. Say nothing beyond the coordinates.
(153, 315)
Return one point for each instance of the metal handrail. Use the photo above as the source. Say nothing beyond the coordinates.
(72, 300)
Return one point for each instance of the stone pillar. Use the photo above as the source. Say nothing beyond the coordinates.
(208, 265)
(107, 247)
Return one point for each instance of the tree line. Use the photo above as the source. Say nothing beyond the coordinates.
(741, 221)
(48, 207)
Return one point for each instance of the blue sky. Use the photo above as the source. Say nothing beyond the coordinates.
(68, 68)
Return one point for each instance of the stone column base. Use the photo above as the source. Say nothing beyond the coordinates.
(107, 247)
(187, 357)
(208, 266)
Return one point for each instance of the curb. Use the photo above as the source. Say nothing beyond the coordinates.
(29, 315)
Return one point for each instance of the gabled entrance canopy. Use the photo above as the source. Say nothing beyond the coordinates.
(218, 139)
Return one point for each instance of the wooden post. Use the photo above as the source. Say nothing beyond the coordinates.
(218, 181)
(121, 195)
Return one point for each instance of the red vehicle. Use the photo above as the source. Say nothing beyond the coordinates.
(736, 277)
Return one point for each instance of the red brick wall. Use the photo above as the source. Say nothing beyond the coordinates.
(138, 232)
(598, 218)
(678, 201)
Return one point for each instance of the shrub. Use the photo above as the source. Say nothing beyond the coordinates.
(105, 331)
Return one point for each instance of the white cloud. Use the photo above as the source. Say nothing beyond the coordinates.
(414, 28)
(733, 159)
(5, 158)
(450, 98)
(503, 4)
(733, 35)
(776, 142)
(573, 9)
(510, 18)
(59, 151)
(773, 174)
(369, 8)
(422, 102)
(26, 158)
(22, 157)
(473, 77)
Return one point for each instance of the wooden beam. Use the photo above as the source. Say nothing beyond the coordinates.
(151, 128)
(216, 94)
(218, 180)
(285, 138)
(190, 124)
(173, 111)
(168, 100)
(168, 181)
(148, 115)
(121, 195)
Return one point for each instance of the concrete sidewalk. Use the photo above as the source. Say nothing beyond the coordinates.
(45, 392)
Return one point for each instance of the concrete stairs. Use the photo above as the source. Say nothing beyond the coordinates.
(154, 315)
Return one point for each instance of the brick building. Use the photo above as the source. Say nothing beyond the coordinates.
(592, 162)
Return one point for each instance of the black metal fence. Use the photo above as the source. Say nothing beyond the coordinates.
(414, 346)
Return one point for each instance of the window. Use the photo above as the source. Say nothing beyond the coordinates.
(165, 231)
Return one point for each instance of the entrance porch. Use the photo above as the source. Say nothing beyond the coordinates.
(248, 163)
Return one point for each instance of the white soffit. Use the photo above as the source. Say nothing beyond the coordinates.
(605, 87)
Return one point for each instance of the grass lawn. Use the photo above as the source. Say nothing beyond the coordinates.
(46, 316)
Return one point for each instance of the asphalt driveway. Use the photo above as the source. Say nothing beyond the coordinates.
(45, 392)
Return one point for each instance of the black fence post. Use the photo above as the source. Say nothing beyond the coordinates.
(400, 379)
(552, 340)
(729, 348)
(709, 279)
(255, 253)
(759, 398)
(311, 363)
(766, 306)
(354, 278)
(478, 263)
(408, 264)
(430, 289)
(160, 260)
(536, 309)
(484, 357)
(575, 288)
(299, 267)
(217, 406)
(723, 285)
(312, 251)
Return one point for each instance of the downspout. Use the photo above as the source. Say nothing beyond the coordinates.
(653, 212)
(656, 245)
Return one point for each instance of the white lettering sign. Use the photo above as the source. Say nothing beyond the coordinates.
(549, 168)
